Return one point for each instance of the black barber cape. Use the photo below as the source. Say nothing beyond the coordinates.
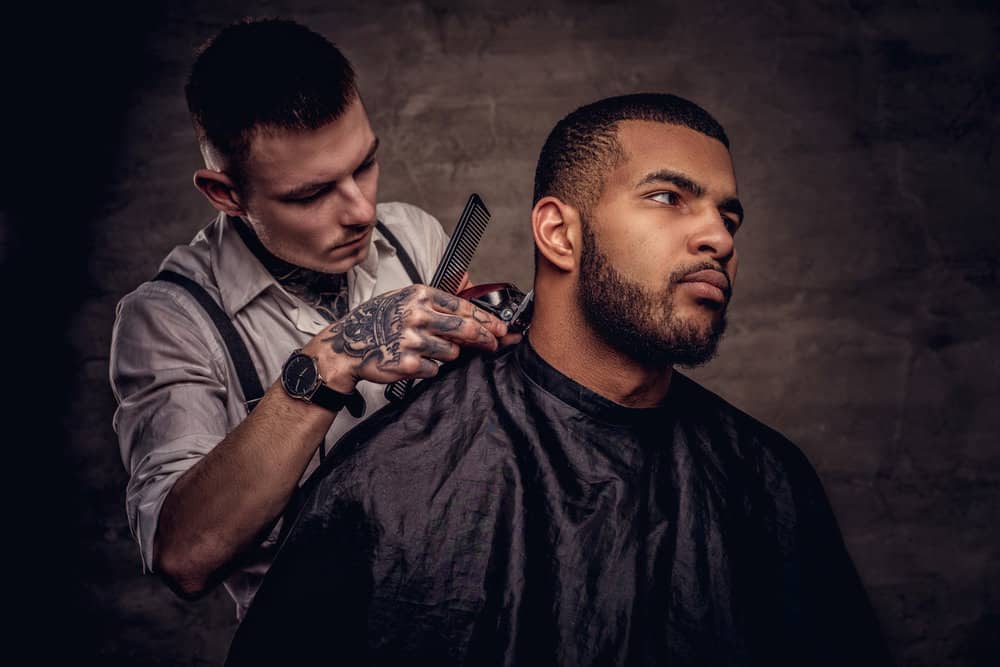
(509, 516)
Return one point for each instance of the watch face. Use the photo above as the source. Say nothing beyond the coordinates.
(299, 375)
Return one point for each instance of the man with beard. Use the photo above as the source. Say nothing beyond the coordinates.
(576, 500)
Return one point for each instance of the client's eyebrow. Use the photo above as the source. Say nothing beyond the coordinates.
(682, 181)
(686, 183)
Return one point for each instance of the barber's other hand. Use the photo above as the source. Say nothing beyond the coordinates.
(402, 334)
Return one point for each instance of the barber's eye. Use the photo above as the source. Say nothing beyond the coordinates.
(365, 166)
(308, 199)
(669, 198)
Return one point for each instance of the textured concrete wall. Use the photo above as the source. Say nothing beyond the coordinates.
(865, 322)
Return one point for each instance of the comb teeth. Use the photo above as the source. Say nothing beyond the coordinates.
(462, 246)
(456, 259)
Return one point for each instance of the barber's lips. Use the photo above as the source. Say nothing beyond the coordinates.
(708, 284)
(350, 245)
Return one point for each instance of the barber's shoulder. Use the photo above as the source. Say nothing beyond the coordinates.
(419, 232)
(400, 214)
(162, 314)
(412, 224)
(159, 305)
(192, 260)
(155, 295)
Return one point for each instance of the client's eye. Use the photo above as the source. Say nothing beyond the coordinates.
(667, 197)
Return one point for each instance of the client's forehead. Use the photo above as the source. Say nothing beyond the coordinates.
(652, 147)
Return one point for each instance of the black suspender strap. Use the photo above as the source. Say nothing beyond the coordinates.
(238, 353)
(240, 356)
(401, 254)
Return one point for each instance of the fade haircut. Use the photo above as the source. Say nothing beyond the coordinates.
(264, 74)
(583, 147)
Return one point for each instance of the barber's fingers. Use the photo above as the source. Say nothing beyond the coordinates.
(408, 366)
(421, 354)
(450, 304)
(422, 344)
(465, 331)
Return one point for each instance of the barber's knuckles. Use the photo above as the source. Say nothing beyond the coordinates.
(402, 334)
(437, 312)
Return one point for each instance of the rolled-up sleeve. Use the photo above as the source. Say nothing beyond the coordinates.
(169, 376)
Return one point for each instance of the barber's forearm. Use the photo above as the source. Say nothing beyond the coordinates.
(220, 507)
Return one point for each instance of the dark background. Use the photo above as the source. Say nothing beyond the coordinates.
(865, 322)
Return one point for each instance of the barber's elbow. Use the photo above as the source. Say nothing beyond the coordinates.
(182, 573)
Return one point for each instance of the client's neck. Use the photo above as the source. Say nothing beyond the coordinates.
(566, 341)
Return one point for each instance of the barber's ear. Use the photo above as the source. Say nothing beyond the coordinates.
(556, 226)
(219, 190)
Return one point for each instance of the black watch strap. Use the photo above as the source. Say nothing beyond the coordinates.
(334, 400)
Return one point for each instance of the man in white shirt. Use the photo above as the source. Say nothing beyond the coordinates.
(316, 280)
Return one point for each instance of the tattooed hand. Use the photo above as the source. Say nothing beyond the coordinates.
(400, 334)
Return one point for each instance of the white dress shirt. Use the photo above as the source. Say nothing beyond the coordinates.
(177, 390)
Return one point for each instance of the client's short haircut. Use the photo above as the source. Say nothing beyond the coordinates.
(584, 145)
(265, 74)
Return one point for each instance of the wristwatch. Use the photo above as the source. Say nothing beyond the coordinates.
(301, 379)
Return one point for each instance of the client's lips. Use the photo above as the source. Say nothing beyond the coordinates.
(709, 283)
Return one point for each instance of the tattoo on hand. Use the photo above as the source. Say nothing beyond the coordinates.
(446, 301)
(372, 331)
(480, 316)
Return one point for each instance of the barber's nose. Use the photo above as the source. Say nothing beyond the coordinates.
(711, 236)
(358, 209)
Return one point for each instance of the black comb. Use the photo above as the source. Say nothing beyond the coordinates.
(453, 265)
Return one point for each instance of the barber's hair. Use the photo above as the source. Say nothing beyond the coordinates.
(265, 74)
(583, 147)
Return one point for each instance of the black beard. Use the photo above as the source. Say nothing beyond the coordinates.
(637, 322)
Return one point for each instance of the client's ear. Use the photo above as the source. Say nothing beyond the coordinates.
(556, 227)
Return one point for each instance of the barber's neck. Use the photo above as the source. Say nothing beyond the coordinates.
(561, 336)
(326, 292)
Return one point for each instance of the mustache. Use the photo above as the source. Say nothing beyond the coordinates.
(680, 273)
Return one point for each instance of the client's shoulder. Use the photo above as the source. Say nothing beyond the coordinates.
(730, 428)
(427, 436)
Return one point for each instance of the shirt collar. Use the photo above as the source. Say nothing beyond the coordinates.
(238, 273)
(380, 250)
(242, 278)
